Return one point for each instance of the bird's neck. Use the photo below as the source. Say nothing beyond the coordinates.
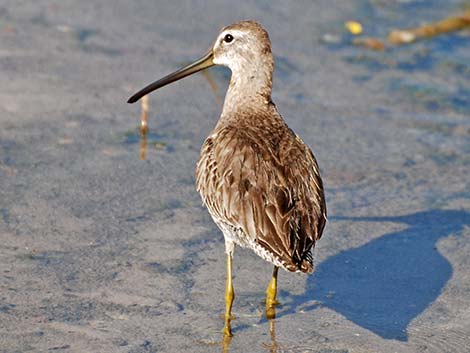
(250, 89)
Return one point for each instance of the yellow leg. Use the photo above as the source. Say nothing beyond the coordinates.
(229, 295)
(271, 292)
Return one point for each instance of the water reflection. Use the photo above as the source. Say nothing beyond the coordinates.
(383, 285)
(272, 347)
(226, 341)
(145, 136)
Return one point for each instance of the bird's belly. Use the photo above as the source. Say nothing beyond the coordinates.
(236, 236)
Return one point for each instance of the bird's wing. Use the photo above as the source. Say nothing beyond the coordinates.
(273, 194)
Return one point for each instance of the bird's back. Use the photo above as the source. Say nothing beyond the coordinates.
(261, 184)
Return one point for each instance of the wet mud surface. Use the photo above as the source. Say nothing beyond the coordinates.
(101, 251)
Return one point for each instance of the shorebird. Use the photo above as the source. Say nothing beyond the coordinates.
(258, 179)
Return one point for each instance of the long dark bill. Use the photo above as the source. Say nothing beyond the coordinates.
(201, 64)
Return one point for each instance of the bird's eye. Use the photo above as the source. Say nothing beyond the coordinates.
(228, 38)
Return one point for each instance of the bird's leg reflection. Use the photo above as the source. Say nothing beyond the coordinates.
(226, 340)
(274, 344)
(273, 347)
(271, 293)
(229, 295)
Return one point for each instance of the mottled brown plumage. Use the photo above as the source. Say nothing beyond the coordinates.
(262, 187)
(258, 179)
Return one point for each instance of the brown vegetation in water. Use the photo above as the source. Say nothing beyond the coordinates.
(406, 36)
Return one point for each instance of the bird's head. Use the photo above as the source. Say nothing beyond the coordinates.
(244, 47)
(242, 44)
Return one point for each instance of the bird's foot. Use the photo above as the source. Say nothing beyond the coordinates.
(271, 304)
(227, 329)
(224, 317)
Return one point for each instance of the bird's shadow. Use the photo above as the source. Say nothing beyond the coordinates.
(386, 283)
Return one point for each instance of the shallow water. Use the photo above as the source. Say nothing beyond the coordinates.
(104, 252)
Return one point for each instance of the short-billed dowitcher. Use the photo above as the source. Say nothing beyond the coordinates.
(258, 179)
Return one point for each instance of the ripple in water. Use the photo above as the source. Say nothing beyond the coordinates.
(430, 340)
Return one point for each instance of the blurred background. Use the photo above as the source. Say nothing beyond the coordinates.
(104, 243)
